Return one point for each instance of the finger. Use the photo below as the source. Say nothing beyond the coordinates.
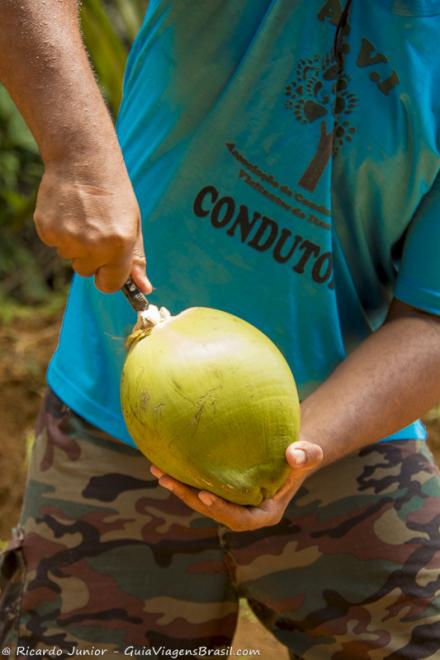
(84, 267)
(302, 456)
(69, 252)
(139, 265)
(43, 234)
(112, 276)
(241, 518)
(235, 517)
(290, 487)
(187, 494)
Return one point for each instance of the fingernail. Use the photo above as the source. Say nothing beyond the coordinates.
(206, 498)
(299, 455)
(155, 472)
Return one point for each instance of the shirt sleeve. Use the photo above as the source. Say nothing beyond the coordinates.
(418, 281)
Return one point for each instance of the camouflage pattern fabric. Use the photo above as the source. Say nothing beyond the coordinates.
(105, 560)
(111, 559)
(353, 570)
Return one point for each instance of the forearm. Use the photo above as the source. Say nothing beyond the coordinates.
(45, 68)
(86, 208)
(389, 381)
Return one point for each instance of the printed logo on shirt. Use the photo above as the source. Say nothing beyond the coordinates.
(264, 234)
(368, 56)
(320, 93)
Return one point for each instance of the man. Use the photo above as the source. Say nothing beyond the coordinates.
(285, 159)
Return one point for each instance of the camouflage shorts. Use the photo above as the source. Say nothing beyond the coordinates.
(103, 558)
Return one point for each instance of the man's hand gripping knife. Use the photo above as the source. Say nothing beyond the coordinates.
(86, 208)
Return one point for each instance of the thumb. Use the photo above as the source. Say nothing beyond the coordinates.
(139, 264)
(304, 455)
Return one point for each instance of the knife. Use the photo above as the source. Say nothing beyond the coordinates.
(135, 297)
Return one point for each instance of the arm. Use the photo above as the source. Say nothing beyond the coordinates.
(86, 207)
(389, 381)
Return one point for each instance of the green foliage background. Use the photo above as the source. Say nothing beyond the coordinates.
(30, 273)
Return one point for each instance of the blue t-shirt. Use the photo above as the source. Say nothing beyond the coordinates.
(285, 156)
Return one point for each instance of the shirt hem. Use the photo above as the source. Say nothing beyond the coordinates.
(92, 412)
(424, 299)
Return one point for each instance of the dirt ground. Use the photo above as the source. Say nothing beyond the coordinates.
(25, 347)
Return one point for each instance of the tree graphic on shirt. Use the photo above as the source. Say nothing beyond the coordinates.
(320, 93)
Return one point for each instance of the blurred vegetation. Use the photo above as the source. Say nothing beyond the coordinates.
(30, 273)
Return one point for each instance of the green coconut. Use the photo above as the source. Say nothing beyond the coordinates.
(211, 401)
